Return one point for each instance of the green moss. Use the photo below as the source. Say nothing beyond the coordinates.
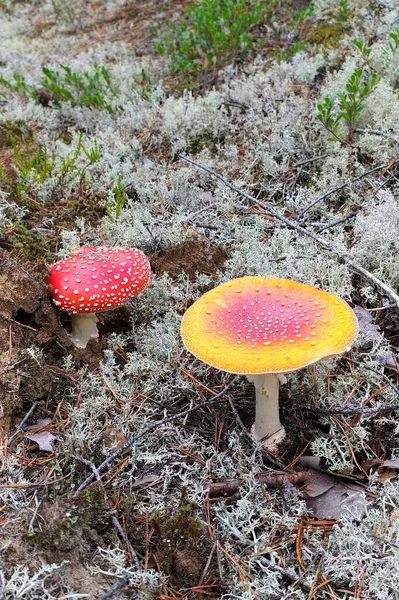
(327, 34)
(198, 143)
(183, 526)
(31, 246)
(181, 529)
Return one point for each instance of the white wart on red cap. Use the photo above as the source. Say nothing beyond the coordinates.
(96, 279)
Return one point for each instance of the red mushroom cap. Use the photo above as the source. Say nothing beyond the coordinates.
(95, 279)
(256, 325)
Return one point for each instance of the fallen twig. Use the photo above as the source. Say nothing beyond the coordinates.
(384, 134)
(149, 428)
(354, 410)
(288, 573)
(115, 588)
(309, 160)
(338, 188)
(339, 221)
(231, 486)
(294, 225)
(358, 363)
(22, 423)
(380, 308)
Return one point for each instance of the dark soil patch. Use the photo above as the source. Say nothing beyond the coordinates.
(33, 343)
(191, 257)
(60, 534)
(131, 23)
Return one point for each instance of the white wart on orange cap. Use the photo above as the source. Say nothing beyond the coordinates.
(95, 279)
(254, 325)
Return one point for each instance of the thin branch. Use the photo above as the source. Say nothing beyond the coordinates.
(207, 565)
(288, 573)
(353, 410)
(340, 187)
(115, 588)
(22, 423)
(339, 221)
(309, 160)
(149, 428)
(358, 363)
(294, 225)
(380, 308)
(384, 134)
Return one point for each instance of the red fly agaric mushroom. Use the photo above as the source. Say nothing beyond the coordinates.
(263, 327)
(96, 279)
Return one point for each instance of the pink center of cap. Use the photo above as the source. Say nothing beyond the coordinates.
(96, 279)
(267, 316)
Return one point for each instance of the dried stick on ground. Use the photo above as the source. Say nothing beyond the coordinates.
(340, 187)
(115, 588)
(384, 134)
(150, 427)
(22, 423)
(352, 410)
(231, 486)
(294, 225)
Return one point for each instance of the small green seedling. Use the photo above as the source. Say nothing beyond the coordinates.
(118, 202)
(215, 33)
(394, 40)
(363, 48)
(346, 106)
(93, 89)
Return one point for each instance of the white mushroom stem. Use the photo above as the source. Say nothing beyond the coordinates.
(84, 328)
(267, 416)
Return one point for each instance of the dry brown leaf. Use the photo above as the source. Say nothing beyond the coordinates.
(331, 498)
(368, 330)
(386, 469)
(390, 361)
(315, 462)
(114, 438)
(144, 481)
(44, 439)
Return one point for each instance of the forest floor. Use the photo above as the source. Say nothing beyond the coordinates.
(128, 467)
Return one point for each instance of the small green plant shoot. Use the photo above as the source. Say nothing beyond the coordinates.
(214, 33)
(92, 89)
(347, 106)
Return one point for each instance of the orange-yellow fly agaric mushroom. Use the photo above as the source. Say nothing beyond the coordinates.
(263, 327)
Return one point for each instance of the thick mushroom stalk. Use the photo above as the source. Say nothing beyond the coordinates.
(84, 328)
(267, 427)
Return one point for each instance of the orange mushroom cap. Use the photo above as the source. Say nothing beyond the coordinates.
(254, 325)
